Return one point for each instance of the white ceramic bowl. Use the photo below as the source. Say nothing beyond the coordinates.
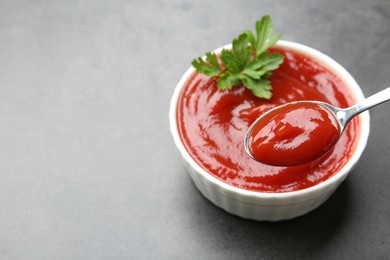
(262, 205)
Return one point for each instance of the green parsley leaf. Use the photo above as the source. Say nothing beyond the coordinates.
(248, 63)
(211, 68)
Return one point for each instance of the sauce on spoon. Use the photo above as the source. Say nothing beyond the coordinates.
(293, 134)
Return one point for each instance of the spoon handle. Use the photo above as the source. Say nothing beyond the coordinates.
(372, 101)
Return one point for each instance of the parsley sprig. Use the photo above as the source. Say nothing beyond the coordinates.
(248, 63)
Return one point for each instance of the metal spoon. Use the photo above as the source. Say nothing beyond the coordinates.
(343, 115)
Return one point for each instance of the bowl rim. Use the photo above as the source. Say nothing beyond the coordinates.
(324, 60)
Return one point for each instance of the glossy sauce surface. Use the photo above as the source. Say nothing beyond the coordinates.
(212, 124)
(293, 134)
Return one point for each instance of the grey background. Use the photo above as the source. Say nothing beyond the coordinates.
(88, 169)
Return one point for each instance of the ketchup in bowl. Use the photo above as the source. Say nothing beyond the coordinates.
(212, 125)
(293, 134)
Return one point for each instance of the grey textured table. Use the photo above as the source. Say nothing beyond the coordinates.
(88, 169)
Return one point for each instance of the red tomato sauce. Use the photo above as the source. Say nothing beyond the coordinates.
(293, 134)
(212, 124)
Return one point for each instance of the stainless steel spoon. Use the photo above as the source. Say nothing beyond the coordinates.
(343, 115)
